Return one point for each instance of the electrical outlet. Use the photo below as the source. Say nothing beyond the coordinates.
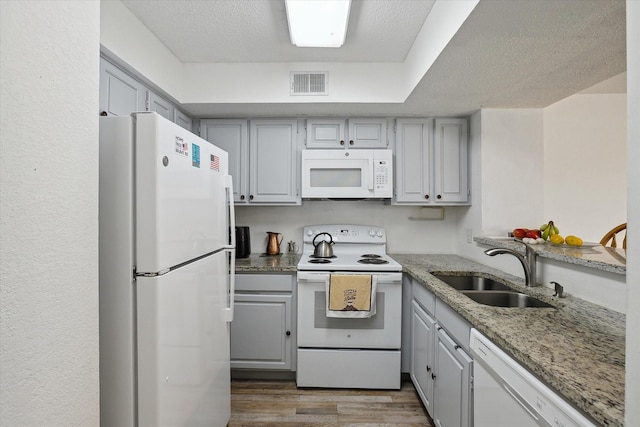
(469, 232)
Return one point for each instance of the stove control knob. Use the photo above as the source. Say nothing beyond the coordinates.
(372, 232)
(379, 233)
(309, 232)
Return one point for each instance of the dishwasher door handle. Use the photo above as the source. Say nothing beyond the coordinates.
(516, 396)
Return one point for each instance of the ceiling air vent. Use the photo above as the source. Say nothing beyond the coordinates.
(309, 83)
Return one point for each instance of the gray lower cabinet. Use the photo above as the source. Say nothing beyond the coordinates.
(452, 383)
(440, 368)
(423, 356)
(263, 327)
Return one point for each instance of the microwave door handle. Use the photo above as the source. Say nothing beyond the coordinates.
(371, 173)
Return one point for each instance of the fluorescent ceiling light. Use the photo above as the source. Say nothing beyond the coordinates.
(318, 23)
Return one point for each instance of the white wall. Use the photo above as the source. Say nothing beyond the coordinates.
(403, 234)
(49, 222)
(125, 38)
(511, 162)
(508, 193)
(632, 395)
(585, 170)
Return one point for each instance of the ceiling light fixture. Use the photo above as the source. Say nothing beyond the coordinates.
(318, 23)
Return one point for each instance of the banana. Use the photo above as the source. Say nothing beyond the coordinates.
(548, 230)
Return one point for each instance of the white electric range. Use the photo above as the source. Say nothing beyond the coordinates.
(348, 352)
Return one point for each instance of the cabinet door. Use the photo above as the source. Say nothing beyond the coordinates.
(413, 161)
(452, 391)
(422, 355)
(273, 161)
(182, 120)
(120, 94)
(367, 133)
(325, 133)
(450, 161)
(232, 137)
(261, 332)
(161, 106)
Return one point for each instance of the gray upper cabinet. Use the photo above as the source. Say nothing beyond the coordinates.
(120, 94)
(263, 158)
(368, 133)
(183, 120)
(450, 143)
(233, 137)
(273, 162)
(347, 133)
(431, 162)
(161, 106)
(325, 133)
(413, 161)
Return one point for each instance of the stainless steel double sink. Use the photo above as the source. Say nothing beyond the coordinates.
(487, 291)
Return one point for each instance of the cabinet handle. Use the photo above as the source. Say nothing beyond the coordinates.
(428, 368)
(342, 142)
(242, 197)
(439, 328)
(433, 376)
(455, 347)
(439, 196)
(426, 196)
(251, 197)
(351, 142)
(288, 333)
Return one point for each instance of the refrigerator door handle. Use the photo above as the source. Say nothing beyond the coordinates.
(228, 311)
(228, 184)
(231, 248)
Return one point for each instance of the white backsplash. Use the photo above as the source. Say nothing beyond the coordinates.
(403, 234)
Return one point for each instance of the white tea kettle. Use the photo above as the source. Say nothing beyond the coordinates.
(323, 249)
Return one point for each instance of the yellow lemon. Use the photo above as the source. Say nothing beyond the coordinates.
(573, 241)
(556, 239)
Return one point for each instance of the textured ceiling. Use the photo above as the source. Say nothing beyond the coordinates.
(257, 30)
(508, 54)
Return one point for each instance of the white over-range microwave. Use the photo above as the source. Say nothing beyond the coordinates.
(347, 174)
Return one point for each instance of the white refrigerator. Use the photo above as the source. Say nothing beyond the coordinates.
(166, 275)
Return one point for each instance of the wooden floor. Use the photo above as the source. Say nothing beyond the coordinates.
(280, 403)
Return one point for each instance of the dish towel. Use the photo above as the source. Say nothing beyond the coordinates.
(351, 296)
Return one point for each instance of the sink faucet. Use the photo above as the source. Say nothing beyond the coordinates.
(528, 261)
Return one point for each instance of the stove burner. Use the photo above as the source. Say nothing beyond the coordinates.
(371, 256)
(373, 261)
(322, 257)
(319, 261)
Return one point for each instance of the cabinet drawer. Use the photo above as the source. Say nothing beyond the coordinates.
(264, 282)
(454, 324)
(424, 297)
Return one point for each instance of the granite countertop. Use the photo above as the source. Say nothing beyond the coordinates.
(612, 260)
(257, 263)
(578, 348)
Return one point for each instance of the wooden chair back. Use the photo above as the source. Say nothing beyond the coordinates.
(609, 239)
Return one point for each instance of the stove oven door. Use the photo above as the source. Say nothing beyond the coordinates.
(316, 330)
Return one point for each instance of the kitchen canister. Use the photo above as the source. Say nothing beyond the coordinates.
(243, 242)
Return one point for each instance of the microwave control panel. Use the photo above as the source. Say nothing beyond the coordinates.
(382, 175)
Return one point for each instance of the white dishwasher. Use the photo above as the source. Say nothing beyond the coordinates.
(507, 395)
